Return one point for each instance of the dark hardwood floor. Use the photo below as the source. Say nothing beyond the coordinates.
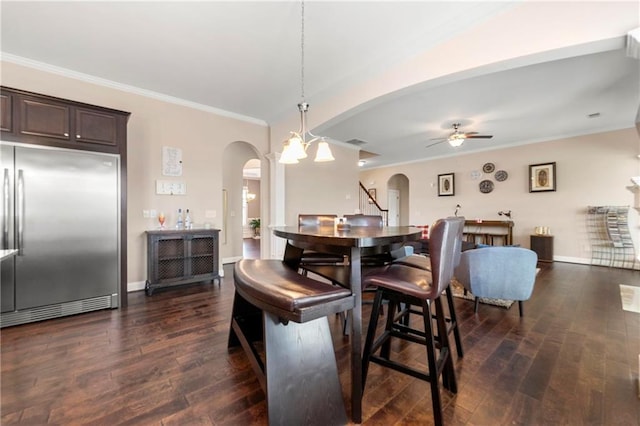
(251, 248)
(163, 360)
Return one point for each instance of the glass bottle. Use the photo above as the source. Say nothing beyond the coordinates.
(179, 223)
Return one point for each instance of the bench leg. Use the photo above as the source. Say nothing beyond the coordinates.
(248, 318)
(246, 329)
(302, 376)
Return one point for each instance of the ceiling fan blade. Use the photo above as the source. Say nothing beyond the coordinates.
(435, 143)
(479, 137)
(467, 134)
(438, 139)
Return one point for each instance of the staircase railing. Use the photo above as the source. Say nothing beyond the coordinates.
(369, 205)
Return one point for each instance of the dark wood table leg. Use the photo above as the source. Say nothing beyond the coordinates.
(356, 337)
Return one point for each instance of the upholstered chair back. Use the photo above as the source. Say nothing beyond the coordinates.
(498, 272)
(316, 219)
(444, 247)
(364, 220)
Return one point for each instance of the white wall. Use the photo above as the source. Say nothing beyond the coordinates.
(591, 170)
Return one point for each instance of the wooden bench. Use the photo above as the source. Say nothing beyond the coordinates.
(288, 312)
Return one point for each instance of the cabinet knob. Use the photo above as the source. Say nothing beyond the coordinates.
(78, 136)
(66, 134)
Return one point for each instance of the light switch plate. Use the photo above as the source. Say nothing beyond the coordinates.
(170, 187)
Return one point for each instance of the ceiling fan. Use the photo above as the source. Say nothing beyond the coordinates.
(456, 138)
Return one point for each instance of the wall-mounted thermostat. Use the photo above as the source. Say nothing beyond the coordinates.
(168, 187)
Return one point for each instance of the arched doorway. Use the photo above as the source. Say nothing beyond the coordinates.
(234, 197)
(398, 200)
(251, 214)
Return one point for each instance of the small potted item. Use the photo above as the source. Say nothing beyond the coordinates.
(254, 224)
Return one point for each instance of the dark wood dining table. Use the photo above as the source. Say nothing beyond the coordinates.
(353, 243)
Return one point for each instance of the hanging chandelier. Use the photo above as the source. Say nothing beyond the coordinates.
(295, 147)
(250, 196)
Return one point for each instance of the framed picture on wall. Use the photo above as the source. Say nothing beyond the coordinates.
(372, 195)
(446, 185)
(542, 177)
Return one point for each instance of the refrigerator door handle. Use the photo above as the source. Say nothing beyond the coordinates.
(20, 215)
(7, 210)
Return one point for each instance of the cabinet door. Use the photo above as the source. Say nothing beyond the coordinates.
(6, 111)
(96, 127)
(44, 118)
(201, 258)
(169, 260)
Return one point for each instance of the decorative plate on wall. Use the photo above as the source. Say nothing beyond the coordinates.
(488, 168)
(501, 175)
(475, 174)
(486, 186)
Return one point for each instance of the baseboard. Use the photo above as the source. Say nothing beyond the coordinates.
(568, 259)
(135, 286)
(583, 261)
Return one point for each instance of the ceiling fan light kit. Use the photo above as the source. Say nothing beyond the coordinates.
(456, 140)
(457, 137)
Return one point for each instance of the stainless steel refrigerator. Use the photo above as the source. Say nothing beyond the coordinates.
(60, 210)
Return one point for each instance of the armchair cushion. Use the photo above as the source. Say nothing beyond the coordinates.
(498, 273)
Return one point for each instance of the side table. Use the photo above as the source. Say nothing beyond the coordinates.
(543, 246)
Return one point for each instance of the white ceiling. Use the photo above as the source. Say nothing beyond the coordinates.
(244, 58)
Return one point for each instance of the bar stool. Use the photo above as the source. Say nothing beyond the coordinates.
(288, 312)
(423, 262)
(414, 286)
(311, 257)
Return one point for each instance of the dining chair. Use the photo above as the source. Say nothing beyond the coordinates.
(313, 257)
(339, 274)
(423, 262)
(316, 219)
(402, 284)
(371, 259)
(364, 220)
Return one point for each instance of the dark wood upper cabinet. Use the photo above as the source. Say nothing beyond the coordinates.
(96, 127)
(44, 118)
(6, 112)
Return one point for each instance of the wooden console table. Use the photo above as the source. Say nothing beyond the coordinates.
(486, 231)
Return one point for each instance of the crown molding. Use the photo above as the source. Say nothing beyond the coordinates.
(41, 66)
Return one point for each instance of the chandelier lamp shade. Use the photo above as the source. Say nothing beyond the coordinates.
(296, 146)
(250, 196)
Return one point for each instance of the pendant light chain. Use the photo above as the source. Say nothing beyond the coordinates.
(302, 52)
(295, 147)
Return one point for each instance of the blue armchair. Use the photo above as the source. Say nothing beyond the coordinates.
(498, 273)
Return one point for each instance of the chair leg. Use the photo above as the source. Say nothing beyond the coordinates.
(406, 318)
(520, 305)
(385, 349)
(371, 334)
(432, 364)
(448, 372)
(454, 322)
(475, 304)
